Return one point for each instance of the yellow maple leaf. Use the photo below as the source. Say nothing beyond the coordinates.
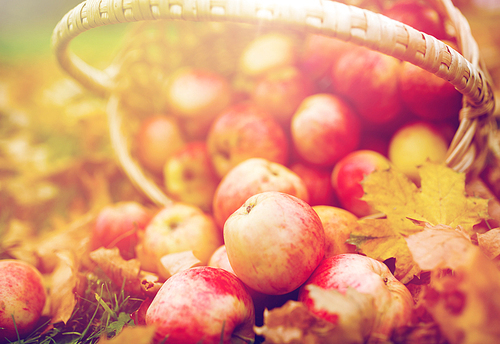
(441, 200)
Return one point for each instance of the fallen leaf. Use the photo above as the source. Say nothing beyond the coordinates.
(489, 243)
(172, 263)
(439, 247)
(294, 323)
(122, 272)
(466, 302)
(132, 335)
(64, 282)
(440, 200)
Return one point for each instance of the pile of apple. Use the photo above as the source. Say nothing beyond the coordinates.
(265, 171)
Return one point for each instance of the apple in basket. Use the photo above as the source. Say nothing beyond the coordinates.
(317, 181)
(338, 224)
(427, 95)
(419, 15)
(267, 52)
(348, 174)
(415, 143)
(202, 305)
(318, 53)
(324, 129)
(245, 131)
(281, 91)
(250, 177)
(189, 176)
(178, 228)
(274, 241)
(393, 301)
(118, 225)
(370, 81)
(158, 137)
(22, 299)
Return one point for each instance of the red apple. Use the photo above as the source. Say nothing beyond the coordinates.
(157, 139)
(197, 93)
(427, 95)
(338, 224)
(414, 144)
(281, 91)
(117, 225)
(267, 52)
(393, 300)
(177, 228)
(348, 174)
(22, 299)
(419, 15)
(250, 177)
(202, 305)
(324, 129)
(274, 241)
(245, 131)
(190, 176)
(219, 259)
(317, 181)
(318, 53)
(370, 81)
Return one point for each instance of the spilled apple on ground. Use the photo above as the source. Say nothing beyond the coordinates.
(274, 241)
(251, 177)
(177, 228)
(202, 304)
(393, 301)
(118, 225)
(22, 299)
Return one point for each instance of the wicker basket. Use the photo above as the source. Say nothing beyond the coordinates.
(468, 149)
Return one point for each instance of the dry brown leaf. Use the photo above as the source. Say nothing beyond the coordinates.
(489, 243)
(132, 335)
(150, 283)
(439, 247)
(64, 282)
(466, 303)
(294, 323)
(120, 271)
(172, 263)
(16, 242)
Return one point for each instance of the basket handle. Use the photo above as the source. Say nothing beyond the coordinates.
(330, 18)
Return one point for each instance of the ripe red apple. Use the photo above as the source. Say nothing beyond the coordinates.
(414, 144)
(338, 224)
(190, 177)
(274, 241)
(281, 91)
(202, 305)
(117, 225)
(324, 129)
(427, 95)
(419, 15)
(197, 93)
(157, 139)
(267, 52)
(22, 299)
(318, 53)
(370, 81)
(317, 181)
(245, 131)
(177, 228)
(393, 300)
(250, 177)
(219, 259)
(347, 175)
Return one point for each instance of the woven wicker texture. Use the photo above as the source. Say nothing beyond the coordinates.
(467, 151)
